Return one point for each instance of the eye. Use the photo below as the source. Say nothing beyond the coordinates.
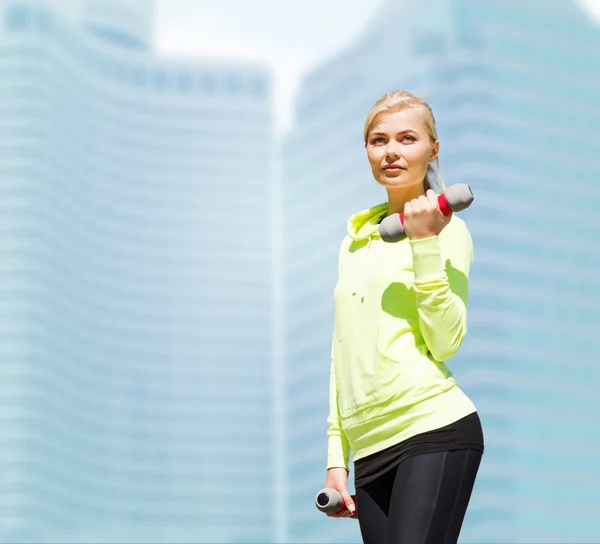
(378, 140)
(409, 138)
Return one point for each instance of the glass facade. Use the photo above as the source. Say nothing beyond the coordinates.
(135, 274)
(514, 87)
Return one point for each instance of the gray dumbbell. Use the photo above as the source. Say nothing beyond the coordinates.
(329, 501)
(454, 199)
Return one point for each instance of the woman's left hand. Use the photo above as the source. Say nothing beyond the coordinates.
(423, 218)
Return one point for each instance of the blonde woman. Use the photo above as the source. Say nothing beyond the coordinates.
(400, 314)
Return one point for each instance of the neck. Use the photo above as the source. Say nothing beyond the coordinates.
(399, 196)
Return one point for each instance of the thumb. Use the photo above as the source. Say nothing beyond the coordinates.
(348, 500)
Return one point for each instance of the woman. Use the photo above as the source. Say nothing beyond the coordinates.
(400, 312)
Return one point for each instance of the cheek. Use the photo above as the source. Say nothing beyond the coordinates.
(418, 155)
(374, 158)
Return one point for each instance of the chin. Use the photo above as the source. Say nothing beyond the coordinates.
(396, 181)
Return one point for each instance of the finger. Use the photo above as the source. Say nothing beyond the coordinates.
(407, 207)
(432, 199)
(415, 206)
(348, 501)
(429, 201)
(342, 514)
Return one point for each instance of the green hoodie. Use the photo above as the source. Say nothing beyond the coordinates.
(400, 312)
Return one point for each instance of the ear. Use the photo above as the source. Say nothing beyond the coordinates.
(434, 151)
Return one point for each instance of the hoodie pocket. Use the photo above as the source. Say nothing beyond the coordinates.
(365, 377)
(369, 374)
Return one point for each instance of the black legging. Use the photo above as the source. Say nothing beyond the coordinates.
(421, 501)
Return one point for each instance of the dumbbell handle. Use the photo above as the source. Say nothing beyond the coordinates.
(329, 501)
(454, 199)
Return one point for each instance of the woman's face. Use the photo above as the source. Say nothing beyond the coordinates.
(399, 148)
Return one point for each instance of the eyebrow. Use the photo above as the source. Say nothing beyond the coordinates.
(401, 132)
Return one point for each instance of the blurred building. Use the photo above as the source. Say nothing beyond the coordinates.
(514, 87)
(135, 276)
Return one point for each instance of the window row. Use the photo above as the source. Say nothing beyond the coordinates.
(21, 18)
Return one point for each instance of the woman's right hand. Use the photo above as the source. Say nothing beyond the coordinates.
(337, 478)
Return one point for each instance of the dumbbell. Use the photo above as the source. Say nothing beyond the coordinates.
(329, 501)
(454, 199)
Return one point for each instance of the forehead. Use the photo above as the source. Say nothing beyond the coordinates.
(406, 119)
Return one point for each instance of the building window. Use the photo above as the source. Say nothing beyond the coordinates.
(139, 77)
(207, 84)
(233, 85)
(120, 72)
(258, 87)
(184, 82)
(428, 43)
(160, 80)
(17, 18)
(44, 23)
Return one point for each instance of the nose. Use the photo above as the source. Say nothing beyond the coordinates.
(392, 153)
(392, 149)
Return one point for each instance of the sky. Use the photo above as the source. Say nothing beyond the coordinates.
(289, 35)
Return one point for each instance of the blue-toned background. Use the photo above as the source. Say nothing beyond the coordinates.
(170, 218)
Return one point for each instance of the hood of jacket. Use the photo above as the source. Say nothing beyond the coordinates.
(364, 225)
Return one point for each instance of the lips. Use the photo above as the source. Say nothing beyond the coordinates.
(393, 167)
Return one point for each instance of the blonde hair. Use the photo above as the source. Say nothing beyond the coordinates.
(398, 101)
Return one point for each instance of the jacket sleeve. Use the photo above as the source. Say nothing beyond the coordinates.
(441, 266)
(338, 448)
